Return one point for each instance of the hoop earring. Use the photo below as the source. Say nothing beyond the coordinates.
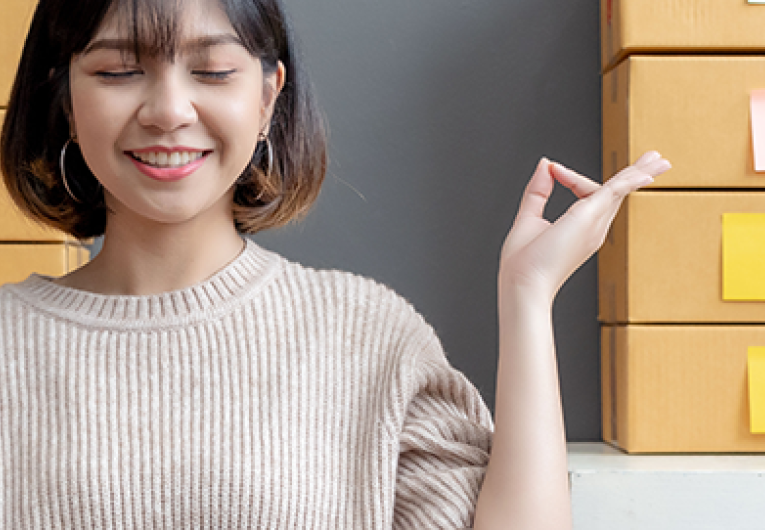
(264, 138)
(63, 171)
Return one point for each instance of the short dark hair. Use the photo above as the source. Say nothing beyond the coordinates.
(36, 125)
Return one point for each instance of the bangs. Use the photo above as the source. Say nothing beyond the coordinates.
(154, 28)
(38, 115)
(151, 27)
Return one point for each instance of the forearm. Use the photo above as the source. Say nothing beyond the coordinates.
(526, 484)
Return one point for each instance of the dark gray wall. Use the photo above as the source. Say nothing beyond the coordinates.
(438, 112)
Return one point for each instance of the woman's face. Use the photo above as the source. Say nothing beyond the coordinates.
(168, 138)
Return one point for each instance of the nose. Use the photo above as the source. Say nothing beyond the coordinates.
(168, 103)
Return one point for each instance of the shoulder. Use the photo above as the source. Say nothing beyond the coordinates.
(13, 305)
(10, 292)
(343, 285)
(24, 299)
(352, 300)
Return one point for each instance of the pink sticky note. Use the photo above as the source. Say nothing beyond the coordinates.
(758, 129)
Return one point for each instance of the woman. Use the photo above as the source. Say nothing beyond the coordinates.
(187, 378)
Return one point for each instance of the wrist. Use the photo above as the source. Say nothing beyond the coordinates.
(524, 293)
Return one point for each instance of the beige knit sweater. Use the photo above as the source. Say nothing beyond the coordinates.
(270, 396)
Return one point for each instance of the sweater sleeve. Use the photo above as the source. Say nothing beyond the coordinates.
(444, 447)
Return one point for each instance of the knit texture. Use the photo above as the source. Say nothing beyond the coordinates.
(269, 396)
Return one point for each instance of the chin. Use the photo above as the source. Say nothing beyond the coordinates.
(169, 209)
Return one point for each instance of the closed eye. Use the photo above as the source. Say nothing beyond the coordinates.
(219, 75)
(118, 75)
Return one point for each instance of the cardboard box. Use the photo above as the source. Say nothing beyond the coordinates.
(15, 17)
(679, 26)
(669, 389)
(14, 226)
(17, 261)
(694, 110)
(662, 259)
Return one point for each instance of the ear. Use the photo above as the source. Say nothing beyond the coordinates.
(273, 84)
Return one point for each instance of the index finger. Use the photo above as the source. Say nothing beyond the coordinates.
(630, 179)
(579, 185)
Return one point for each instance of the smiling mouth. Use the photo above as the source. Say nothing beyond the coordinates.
(163, 160)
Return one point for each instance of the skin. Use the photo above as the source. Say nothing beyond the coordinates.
(166, 236)
(162, 236)
(526, 483)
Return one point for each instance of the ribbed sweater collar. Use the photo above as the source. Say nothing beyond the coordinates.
(228, 288)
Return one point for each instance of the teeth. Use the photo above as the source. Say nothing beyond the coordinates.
(175, 159)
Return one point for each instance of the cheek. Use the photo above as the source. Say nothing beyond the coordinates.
(245, 112)
(99, 120)
(94, 136)
(96, 118)
(239, 123)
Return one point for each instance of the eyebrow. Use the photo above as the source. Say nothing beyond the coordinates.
(197, 45)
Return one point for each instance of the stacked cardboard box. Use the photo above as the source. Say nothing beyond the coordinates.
(25, 246)
(681, 299)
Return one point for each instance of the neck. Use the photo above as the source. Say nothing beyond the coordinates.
(150, 258)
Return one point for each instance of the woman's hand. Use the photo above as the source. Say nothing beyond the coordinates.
(526, 482)
(540, 255)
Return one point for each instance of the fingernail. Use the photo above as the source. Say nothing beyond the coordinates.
(665, 165)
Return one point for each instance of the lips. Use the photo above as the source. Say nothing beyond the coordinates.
(167, 165)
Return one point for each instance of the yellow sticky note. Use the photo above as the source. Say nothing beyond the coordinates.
(743, 246)
(757, 390)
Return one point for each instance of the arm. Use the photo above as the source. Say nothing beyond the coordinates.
(526, 482)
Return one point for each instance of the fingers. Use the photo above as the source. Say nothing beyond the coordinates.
(540, 187)
(651, 163)
(579, 185)
(601, 206)
(648, 156)
(655, 167)
(557, 249)
(641, 173)
(604, 204)
(538, 191)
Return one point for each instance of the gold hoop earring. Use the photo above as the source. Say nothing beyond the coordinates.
(63, 171)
